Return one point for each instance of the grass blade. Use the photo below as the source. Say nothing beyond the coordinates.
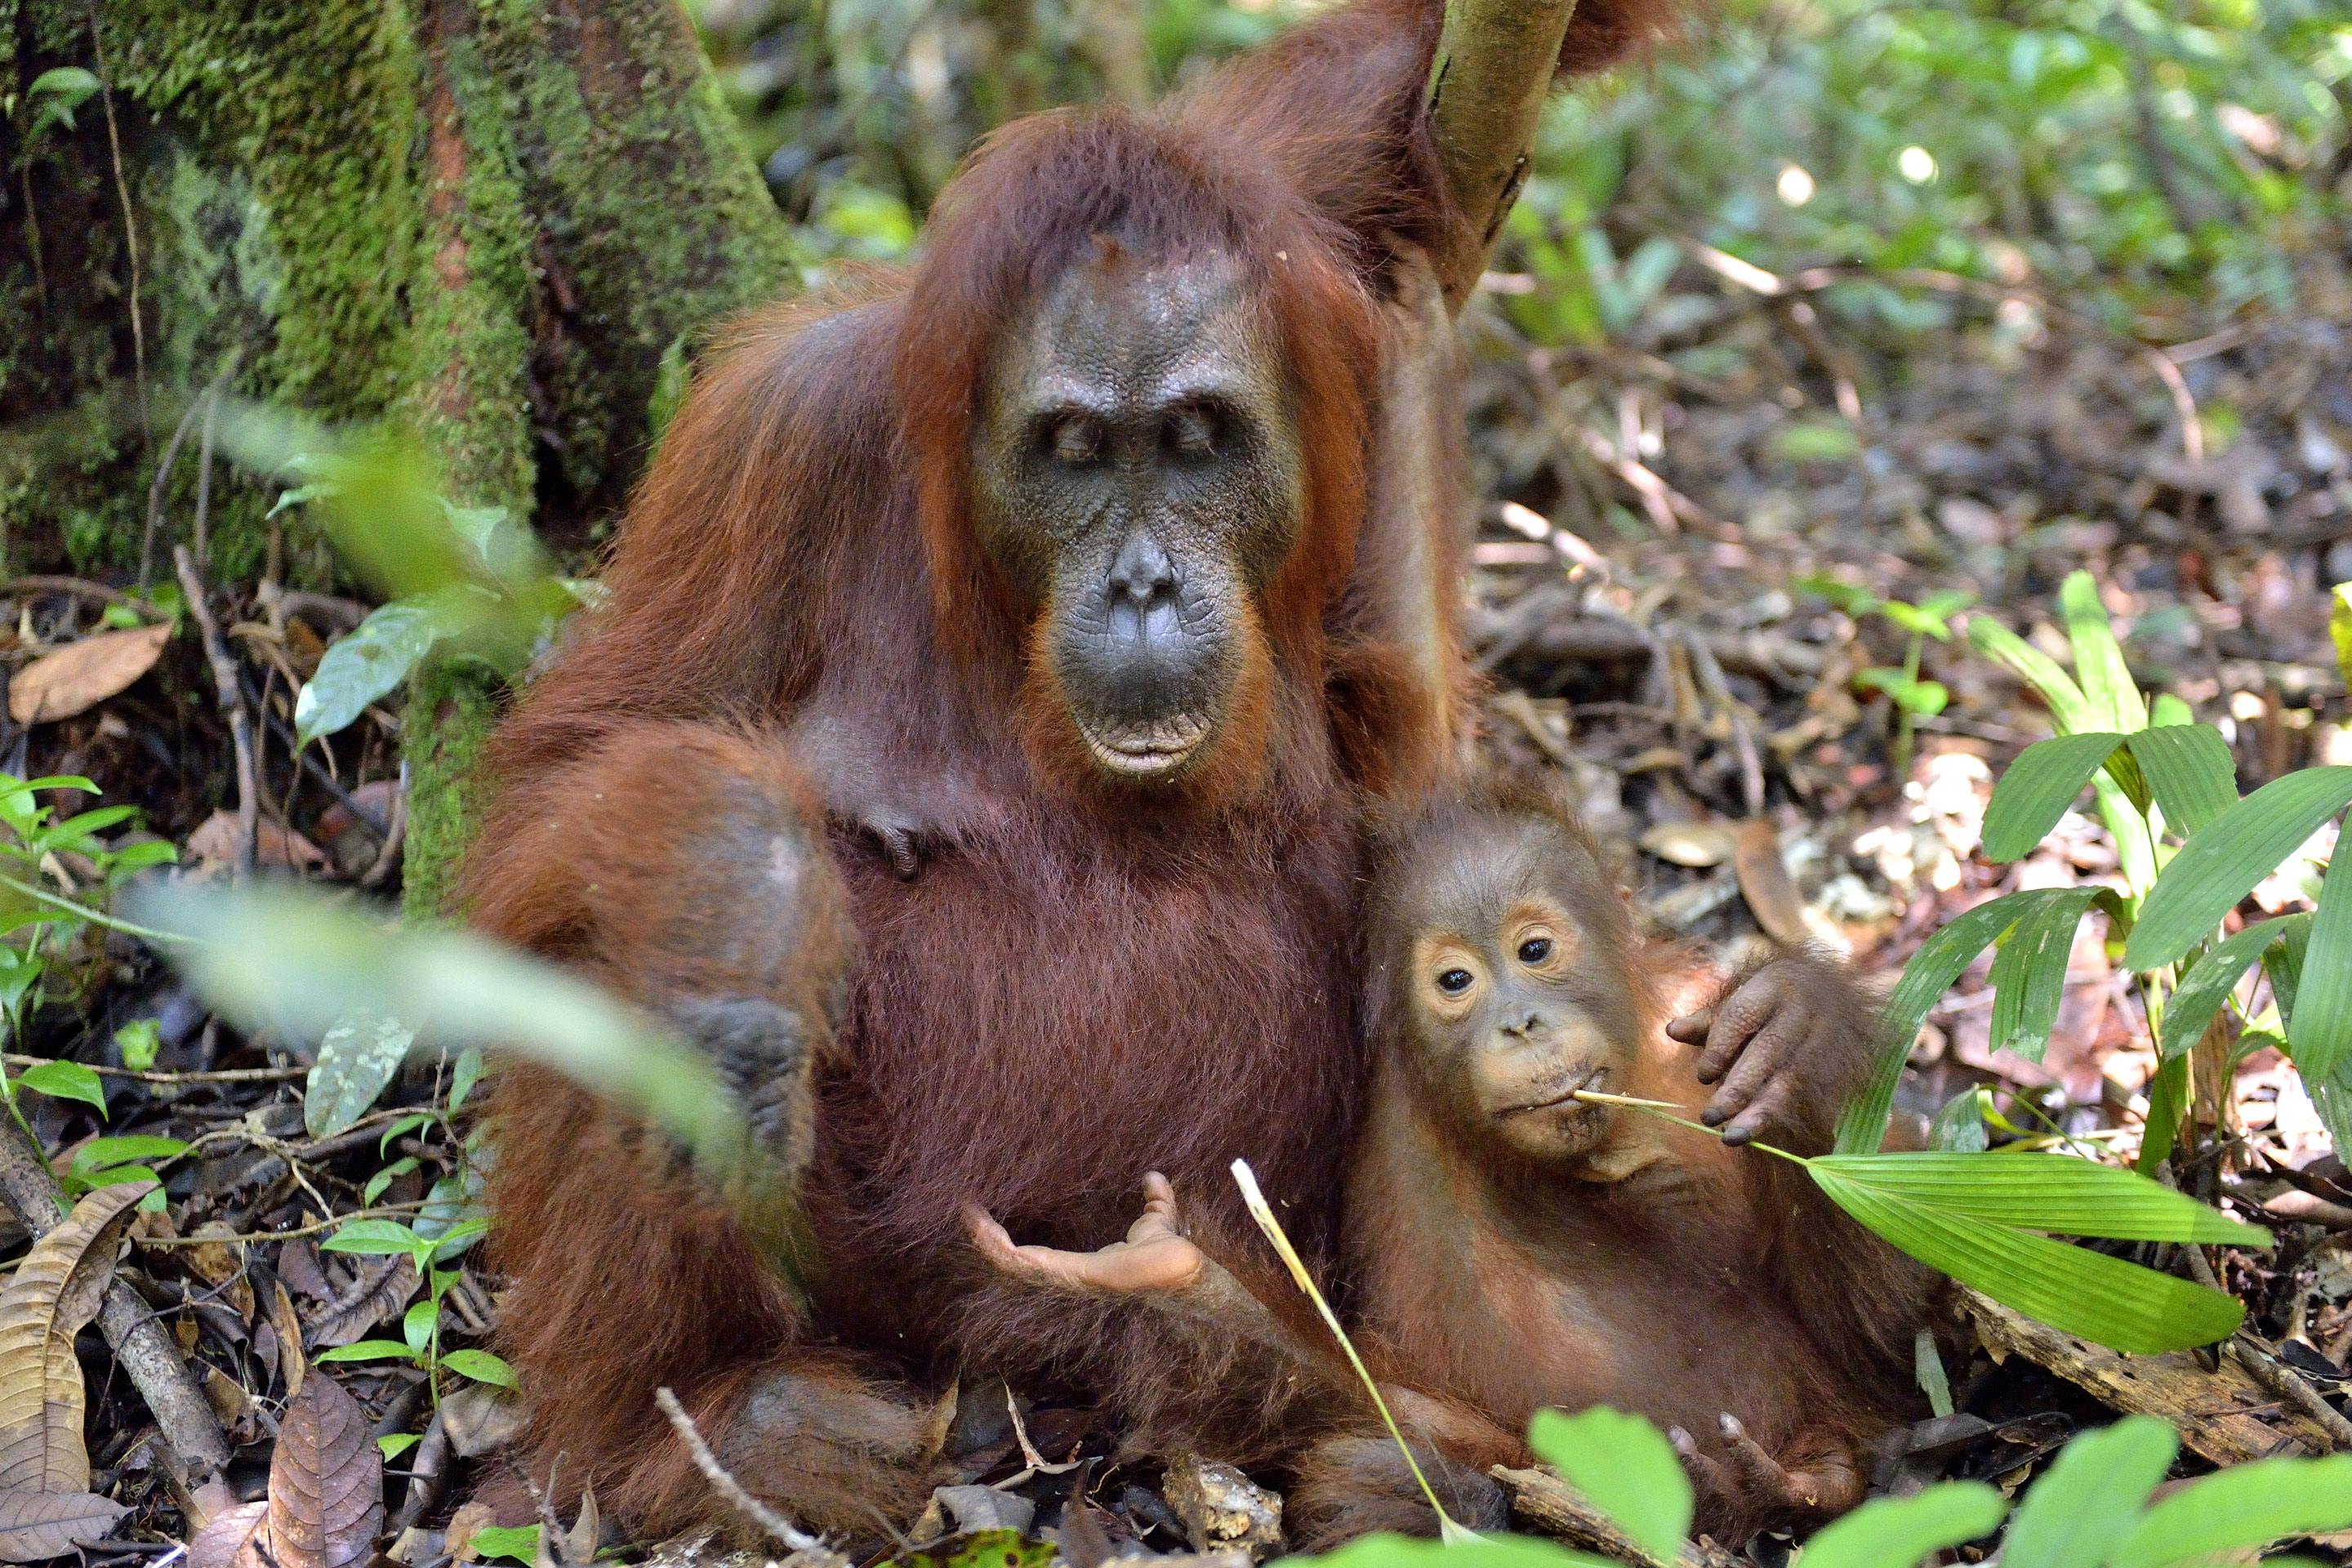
(2029, 978)
(2107, 683)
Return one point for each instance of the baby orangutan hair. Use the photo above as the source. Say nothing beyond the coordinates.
(1512, 1246)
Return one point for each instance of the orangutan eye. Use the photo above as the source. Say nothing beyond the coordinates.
(1453, 981)
(1535, 950)
(1075, 439)
(1193, 429)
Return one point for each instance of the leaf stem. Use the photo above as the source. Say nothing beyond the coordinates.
(1662, 1110)
(95, 916)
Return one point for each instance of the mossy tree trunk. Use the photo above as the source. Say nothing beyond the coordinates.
(488, 221)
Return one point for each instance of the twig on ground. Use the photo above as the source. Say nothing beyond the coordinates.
(232, 703)
(150, 1075)
(2289, 1385)
(804, 1547)
(192, 1448)
(385, 1211)
(1549, 1503)
(387, 856)
(155, 489)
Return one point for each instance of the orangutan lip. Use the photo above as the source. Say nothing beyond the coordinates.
(1149, 752)
(1591, 1079)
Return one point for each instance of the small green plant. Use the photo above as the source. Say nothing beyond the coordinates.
(420, 1326)
(2189, 852)
(1911, 697)
(38, 922)
(2090, 1507)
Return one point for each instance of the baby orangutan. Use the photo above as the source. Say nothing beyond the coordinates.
(1513, 1247)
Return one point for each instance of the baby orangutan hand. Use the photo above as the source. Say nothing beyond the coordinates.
(1788, 1043)
(1817, 1475)
(1154, 1257)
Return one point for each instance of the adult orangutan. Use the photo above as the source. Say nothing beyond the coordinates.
(1087, 579)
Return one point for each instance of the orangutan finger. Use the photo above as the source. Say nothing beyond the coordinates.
(1766, 1055)
(1760, 1473)
(1771, 1112)
(1707, 1475)
(1691, 1029)
(1737, 1019)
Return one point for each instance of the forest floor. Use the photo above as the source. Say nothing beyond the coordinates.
(1643, 609)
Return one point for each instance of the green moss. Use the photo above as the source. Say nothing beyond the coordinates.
(451, 706)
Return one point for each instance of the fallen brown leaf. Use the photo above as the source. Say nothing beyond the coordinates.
(226, 1540)
(37, 1526)
(214, 843)
(1764, 881)
(77, 678)
(326, 1480)
(54, 1292)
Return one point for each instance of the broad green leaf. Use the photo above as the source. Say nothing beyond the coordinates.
(1958, 1127)
(2038, 788)
(2090, 1497)
(2203, 991)
(280, 958)
(1941, 960)
(393, 1445)
(2028, 977)
(64, 1080)
(367, 1350)
(2068, 708)
(2332, 1097)
(1897, 1532)
(481, 1366)
(370, 661)
(357, 1058)
(2244, 1506)
(2188, 770)
(2107, 683)
(2082, 1292)
(1623, 1467)
(515, 1543)
(2220, 864)
(375, 1185)
(2319, 1031)
(2043, 1192)
(1926, 698)
(466, 1072)
(377, 1236)
(406, 1124)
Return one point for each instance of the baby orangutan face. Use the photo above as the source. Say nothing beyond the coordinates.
(1508, 957)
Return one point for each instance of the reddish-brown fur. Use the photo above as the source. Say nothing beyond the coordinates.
(1087, 983)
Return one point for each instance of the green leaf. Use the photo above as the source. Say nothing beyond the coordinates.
(2038, 788)
(2028, 977)
(2089, 1294)
(2244, 1506)
(517, 1542)
(2220, 862)
(417, 1323)
(1897, 1532)
(271, 956)
(2319, 1031)
(2167, 1102)
(2107, 683)
(1958, 1127)
(1925, 699)
(481, 1366)
(2203, 992)
(1919, 620)
(1850, 597)
(463, 1076)
(2090, 1497)
(138, 1041)
(367, 1350)
(2069, 709)
(1927, 1370)
(381, 1238)
(1941, 960)
(2043, 1192)
(64, 1080)
(393, 1445)
(357, 1058)
(368, 662)
(408, 1123)
(100, 1153)
(1623, 1467)
(384, 1178)
(2189, 772)
(2339, 628)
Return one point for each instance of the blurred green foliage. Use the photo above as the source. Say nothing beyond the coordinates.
(2156, 167)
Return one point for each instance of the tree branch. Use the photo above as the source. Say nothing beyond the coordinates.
(1494, 64)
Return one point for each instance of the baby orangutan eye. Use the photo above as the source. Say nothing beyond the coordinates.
(1453, 981)
(1535, 950)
